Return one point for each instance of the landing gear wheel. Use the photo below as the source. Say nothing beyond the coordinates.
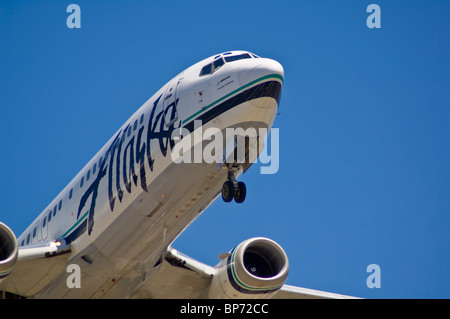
(239, 192)
(227, 191)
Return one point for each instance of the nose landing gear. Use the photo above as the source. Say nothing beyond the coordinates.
(233, 189)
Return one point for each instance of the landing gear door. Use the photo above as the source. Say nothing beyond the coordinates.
(171, 100)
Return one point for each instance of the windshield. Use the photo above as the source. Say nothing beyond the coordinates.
(214, 66)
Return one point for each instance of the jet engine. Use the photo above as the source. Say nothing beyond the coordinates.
(255, 269)
(9, 251)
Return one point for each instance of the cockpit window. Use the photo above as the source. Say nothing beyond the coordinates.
(207, 69)
(217, 64)
(214, 66)
(237, 57)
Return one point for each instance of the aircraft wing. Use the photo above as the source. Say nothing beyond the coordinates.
(36, 266)
(292, 292)
(182, 277)
(257, 268)
(178, 277)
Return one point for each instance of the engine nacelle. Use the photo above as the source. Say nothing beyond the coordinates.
(9, 251)
(256, 269)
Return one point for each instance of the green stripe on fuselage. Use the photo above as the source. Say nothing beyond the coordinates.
(76, 225)
(276, 76)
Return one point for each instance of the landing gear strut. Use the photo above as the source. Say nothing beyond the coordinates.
(233, 189)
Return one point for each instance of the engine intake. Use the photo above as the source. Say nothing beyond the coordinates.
(256, 268)
(9, 250)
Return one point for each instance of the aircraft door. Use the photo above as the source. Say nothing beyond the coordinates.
(171, 97)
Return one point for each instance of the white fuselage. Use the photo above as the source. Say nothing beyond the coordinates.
(126, 206)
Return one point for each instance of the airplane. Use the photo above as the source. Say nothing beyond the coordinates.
(115, 222)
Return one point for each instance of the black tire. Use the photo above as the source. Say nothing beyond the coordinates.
(227, 191)
(240, 192)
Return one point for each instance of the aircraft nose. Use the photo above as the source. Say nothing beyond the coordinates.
(263, 68)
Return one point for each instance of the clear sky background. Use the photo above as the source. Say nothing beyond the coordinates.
(364, 126)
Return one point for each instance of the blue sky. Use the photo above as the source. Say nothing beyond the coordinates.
(364, 126)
